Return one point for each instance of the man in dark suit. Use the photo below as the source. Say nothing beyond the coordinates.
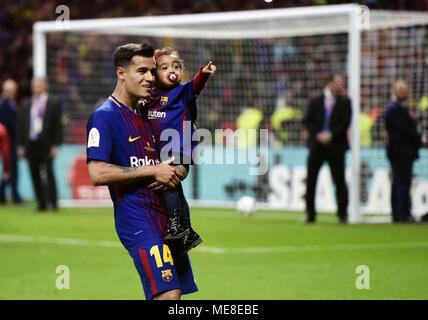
(327, 120)
(8, 115)
(403, 144)
(40, 134)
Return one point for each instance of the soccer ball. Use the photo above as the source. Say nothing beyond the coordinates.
(246, 205)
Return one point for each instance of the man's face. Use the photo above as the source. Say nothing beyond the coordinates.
(338, 86)
(138, 76)
(168, 70)
(9, 89)
(401, 91)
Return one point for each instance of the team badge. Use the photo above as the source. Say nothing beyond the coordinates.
(149, 147)
(166, 275)
(94, 138)
(163, 100)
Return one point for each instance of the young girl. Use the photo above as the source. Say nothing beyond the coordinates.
(173, 106)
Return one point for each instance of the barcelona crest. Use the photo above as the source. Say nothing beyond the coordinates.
(166, 275)
(149, 147)
(163, 101)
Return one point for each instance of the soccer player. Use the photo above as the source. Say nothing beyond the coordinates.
(173, 106)
(5, 151)
(122, 154)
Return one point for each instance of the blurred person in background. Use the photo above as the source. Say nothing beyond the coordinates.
(327, 120)
(8, 117)
(403, 142)
(5, 152)
(39, 135)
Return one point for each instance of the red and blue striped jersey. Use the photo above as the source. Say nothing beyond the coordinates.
(176, 109)
(121, 137)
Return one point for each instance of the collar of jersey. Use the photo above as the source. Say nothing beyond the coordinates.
(120, 104)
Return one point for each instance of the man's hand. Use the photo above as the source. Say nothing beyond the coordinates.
(324, 137)
(6, 176)
(21, 152)
(143, 102)
(209, 68)
(181, 172)
(54, 152)
(165, 175)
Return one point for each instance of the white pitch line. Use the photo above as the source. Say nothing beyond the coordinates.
(219, 250)
(312, 248)
(60, 241)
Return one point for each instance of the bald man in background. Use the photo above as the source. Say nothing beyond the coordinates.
(8, 118)
(39, 135)
(403, 144)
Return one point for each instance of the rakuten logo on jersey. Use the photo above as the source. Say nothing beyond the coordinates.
(137, 162)
(156, 114)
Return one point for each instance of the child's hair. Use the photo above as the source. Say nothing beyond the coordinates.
(168, 51)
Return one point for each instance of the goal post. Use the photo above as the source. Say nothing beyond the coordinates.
(354, 65)
(275, 59)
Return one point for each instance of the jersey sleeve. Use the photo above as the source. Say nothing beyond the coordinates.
(100, 136)
(194, 87)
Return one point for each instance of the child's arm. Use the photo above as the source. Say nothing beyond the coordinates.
(202, 76)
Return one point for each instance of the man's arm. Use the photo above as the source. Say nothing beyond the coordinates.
(57, 129)
(20, 131)
(309, 119)
(403, 135)
(103, 173)
(58, 125)
(394, 122)
(342, 126)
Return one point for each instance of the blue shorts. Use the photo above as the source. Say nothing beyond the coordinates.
(160, 270)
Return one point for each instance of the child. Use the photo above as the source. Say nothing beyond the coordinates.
(173, 106)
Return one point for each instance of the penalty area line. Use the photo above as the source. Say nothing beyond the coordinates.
(5, 238)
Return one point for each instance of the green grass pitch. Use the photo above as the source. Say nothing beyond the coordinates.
(270, 255)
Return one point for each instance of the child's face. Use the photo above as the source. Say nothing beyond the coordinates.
(168, 70)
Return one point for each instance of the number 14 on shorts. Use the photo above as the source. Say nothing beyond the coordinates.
(166, 255)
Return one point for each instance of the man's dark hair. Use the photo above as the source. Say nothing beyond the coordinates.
(332, 76)
(123, 54)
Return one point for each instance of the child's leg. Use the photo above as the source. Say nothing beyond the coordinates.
(173, 202)
(184, 205)
(177, 223)
(192, 239)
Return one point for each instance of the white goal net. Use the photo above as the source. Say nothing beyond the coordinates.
(270, 63)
